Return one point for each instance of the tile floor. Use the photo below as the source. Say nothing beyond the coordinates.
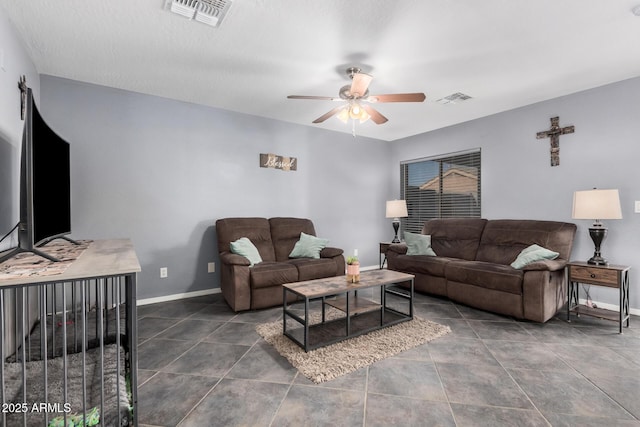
(200, 364)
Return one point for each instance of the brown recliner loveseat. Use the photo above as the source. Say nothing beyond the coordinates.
(260, 286)
(473, 265)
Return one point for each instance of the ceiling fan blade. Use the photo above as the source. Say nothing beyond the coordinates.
(375, 115)
(398, 97)
(320, 98)
(360, 84)
(329, 114)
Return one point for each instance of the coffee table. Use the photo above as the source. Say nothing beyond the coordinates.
(361, 315)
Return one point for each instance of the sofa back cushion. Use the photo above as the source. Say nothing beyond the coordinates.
(285, 232)
(455, 237)
(257, 230)
(503, 239)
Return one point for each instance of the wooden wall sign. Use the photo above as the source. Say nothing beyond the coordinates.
(274, 161)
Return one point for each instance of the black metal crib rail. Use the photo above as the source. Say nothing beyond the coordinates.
(58, 345)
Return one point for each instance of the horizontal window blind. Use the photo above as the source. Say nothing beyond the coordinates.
(440, 187)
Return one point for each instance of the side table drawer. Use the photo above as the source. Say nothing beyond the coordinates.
(597, 276)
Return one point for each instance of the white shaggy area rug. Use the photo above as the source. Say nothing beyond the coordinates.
(332, 361)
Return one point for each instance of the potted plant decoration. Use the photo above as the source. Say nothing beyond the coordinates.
(353, 269)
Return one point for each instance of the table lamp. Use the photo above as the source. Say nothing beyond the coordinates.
(396, 209)
(596, 205)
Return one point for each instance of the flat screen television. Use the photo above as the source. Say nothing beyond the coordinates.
(45, 186)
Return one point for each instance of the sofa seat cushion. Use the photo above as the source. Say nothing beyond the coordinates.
(267, 274)
(486, 275)
(309, 268)
(422, 264)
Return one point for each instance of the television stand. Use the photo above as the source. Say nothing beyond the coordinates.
(68, 239)
(15, 251)
(34, 250)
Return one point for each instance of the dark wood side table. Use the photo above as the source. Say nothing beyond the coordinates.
(384, 247)
(611, 276)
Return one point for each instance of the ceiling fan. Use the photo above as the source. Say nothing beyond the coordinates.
(357, 99)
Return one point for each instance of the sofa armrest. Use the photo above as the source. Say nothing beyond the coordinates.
(334, 254)
(230, 258)
(330, 252)
(546, 264)
(398, 248)
(235, 281)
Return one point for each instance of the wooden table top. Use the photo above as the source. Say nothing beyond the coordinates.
(339, 284)
(114, 257)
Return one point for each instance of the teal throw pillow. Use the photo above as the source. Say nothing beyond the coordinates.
(243, 246)
(308, 247)
(532, 254)
(418, 244)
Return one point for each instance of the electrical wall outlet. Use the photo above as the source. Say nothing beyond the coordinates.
(355, 252)
(163, 272)
(211, 267)
(637, 206)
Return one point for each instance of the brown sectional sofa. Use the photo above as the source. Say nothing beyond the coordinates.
(260, 286)
(473, 260)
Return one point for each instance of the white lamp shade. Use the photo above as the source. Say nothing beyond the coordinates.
(596, 204)
(397, 209)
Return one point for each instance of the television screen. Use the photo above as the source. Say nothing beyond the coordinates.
(51, 182)
(45, 186)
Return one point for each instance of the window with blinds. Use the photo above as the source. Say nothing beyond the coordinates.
(440, 187)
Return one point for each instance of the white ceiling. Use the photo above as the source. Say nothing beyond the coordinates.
(504, 53)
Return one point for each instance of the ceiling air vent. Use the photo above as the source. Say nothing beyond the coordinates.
(208, 12)
(454, 98)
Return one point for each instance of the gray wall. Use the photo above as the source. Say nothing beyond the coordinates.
(518, 182)
(16, 64)
(161, 172)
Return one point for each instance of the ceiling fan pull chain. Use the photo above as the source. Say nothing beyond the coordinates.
(353, 127)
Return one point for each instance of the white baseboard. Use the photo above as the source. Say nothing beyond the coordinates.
(194, 294)
(178, 296)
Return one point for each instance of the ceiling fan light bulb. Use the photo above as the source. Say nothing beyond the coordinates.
(355, 111)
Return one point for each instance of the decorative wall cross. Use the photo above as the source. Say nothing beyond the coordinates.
(22, 85)
(554, 135)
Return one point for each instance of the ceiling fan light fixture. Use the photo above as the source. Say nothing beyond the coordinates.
(343, 115)
(353, 94)
(364, 116)
(355, 111)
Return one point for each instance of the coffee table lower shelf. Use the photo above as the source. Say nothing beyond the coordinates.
(334, 331)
